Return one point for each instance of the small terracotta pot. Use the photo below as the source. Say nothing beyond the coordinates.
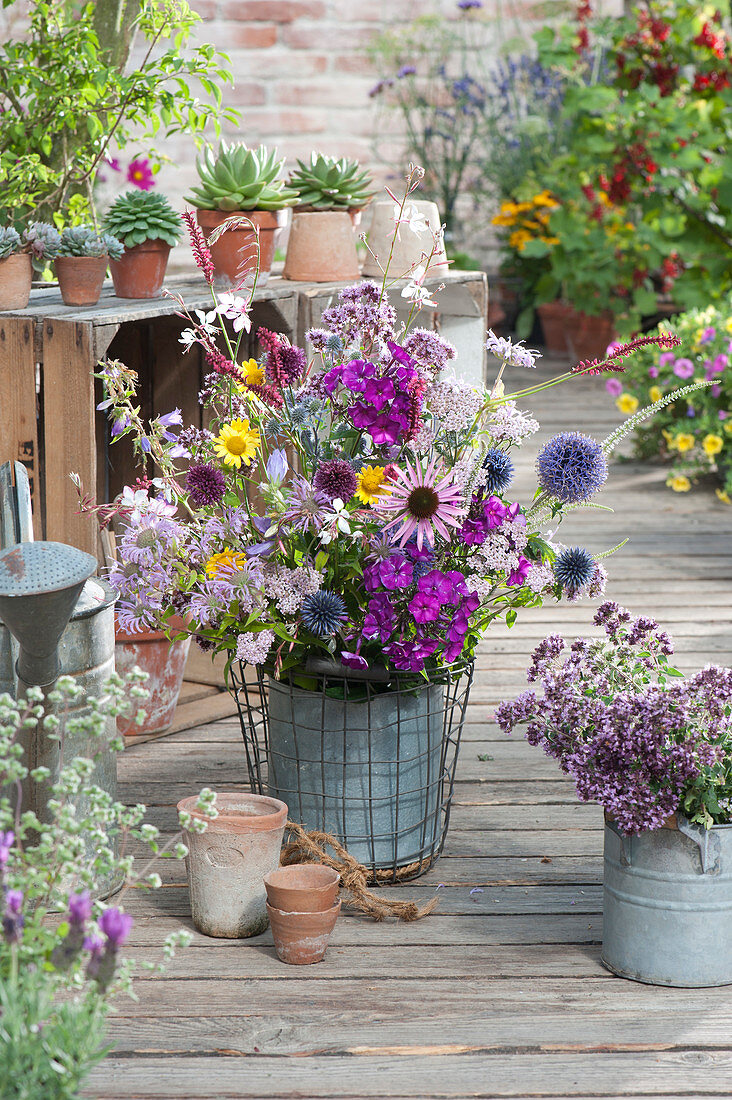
(165, 662)
(321, 248)
(302, 938)
(140, 272)
(234, 252)
(80, 278)
(16, 275)
(588, 337)
(302, 888)
(228, 862)
(554, 317)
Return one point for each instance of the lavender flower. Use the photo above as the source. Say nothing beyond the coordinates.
(13, 919)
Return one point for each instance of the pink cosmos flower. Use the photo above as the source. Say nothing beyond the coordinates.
(423, 501)
(683, 368)
(140, 174)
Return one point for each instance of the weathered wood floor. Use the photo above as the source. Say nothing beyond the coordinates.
(501, 992)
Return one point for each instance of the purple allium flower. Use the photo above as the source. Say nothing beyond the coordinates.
(574, 568)
(115, 925)
(13, 920)
(571, 467)
(336, 478)
(323, 612)
(683, 368)
(498, 470)
(205, 484)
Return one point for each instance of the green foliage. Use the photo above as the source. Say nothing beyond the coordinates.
(139, 216)
(83, 240)
(66, 93)
(239, 178)
(329, 184)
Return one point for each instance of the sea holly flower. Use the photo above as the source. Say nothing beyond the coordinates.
(425, 500)
(237, 443)
(571, 466)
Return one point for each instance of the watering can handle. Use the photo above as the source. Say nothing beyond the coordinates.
(16, 515)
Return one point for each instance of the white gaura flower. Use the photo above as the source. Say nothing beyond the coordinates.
(189, 336)
(335, 521)
(411, 217)
(415, 291)
(236, 310)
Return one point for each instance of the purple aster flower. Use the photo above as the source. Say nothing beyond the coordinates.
(683, 368)
(336, 479)
(205, 484)
(571, 467)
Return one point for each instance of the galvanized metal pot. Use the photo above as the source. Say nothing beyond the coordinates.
(228, 862)
(668, 905)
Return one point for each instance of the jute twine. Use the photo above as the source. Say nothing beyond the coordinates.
(304, 847)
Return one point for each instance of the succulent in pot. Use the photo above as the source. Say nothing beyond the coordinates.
(81, 263)
(148, 227)
(20, 255)
(321, 247)
(248, 184)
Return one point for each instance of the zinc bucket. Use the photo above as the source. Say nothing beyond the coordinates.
(667, 909)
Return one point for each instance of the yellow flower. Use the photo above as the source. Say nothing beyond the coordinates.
(229, 559)
(549, 240)
(679, 483)
(668, 437)
(253, 373)
(728, 325)
(626, 403)
(519, 238)
(684, 442)
(237, 443)
(545, 198)
(712, 444)
(370, 483)
(724, 497)
(728, 426)
(655, 393)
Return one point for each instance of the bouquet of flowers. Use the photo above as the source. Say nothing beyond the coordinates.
(630, 730)
(355, 507)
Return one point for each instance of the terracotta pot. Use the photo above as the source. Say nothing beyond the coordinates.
(140, 272)
(165, 662)
(16, 274)
(302, 888)
(410, 246)
(228, 862)
(321, 247)
(234, 252)
(80, 278)
(554, 317)
(588, 337)
(302, 938)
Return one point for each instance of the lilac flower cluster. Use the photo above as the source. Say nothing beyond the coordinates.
(632, 735)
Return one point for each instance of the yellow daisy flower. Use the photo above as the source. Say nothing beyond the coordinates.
(712, 444)
(519, 239)
(253, 373)
(684, 442)
(655, 393)
(237, 443)
(679, 483)
(728, 325)
(728, 426)
(626, 403)
(371, 484)
(724, 497)
(229, 559)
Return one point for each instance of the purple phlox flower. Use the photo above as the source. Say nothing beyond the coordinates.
(400, 354)
(378, 391)
(518, 575)
(424, 608)
(356, 374)
(444, 587)
(396, 572)
(277, 467)
(683, 368)
(353, 660)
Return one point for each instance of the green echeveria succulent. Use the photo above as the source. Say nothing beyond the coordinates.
(9, 241)
(239, 178)
(83, 240)
(43, 241)
(329, 184)
(139, 216)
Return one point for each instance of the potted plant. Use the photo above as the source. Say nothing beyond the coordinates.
(81, 263)
(148, 227)
(360, 588)
(321, 246)
(655, 750)
(20, 255)
(244, 185)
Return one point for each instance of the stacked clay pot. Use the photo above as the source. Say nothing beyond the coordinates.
(302, 910)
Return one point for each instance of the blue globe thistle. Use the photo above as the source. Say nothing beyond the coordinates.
(334, 344)
(574, 568)
(299, 415)
(323, 612)
(498, 470)
(571, 466)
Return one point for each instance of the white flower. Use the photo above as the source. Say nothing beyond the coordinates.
(140, 503)
(235, 310)
(189, 336)
(335, 521)
(415, 291)
(515, 354)
(411, 217)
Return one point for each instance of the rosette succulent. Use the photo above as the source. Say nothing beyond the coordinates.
(9, 241)
(83, 240)
(239, 178)
(139, 216)
(42, 241)
(329, 184)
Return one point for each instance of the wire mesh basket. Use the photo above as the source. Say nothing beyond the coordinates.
(369, 761)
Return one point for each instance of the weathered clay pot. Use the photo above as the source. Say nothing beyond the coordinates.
(165, 662)
(410, 246)
(588, 337)
(302, 938)
(554, 317)
(234, 253)
(321, 248)
(80, 278)
(228, 862)
(16, 275)
(302, 888)
(140, 272)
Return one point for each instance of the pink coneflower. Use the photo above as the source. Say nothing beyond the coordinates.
(140, 174)
(424, 502)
